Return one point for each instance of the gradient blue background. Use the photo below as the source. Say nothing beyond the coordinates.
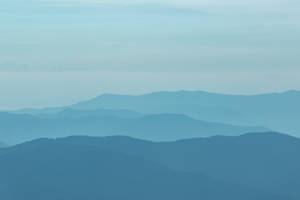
(60, 52)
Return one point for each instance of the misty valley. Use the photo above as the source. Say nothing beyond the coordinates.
(149, 100)
(150, 147)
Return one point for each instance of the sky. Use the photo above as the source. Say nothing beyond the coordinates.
(58, 52)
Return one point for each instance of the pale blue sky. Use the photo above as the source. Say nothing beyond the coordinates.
(49, 48)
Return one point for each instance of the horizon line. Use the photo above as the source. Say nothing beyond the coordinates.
(149, 93)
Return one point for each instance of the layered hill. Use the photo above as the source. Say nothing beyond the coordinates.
(76, 113)
(16, 128)
(94, 168)
(278, 111)
(265, 161)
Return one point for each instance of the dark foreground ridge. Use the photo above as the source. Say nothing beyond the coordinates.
(261, 166)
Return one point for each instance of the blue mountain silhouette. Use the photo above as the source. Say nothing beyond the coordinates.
(277, 111)
(265, 161)
(94, 168)
(18, 128)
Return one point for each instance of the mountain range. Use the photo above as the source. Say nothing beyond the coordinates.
(266, 161)
(17, 128)
(277, 111)
(256, 166)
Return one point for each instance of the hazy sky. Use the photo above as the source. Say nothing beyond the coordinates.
(55, 52)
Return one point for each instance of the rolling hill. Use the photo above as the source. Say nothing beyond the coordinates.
(60, 169)
(277, 111)
(265, 161)
(17, 128)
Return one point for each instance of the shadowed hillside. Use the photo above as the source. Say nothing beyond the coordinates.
(65, 169)
(267, 161)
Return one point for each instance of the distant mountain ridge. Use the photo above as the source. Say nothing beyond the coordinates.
(114, 168)
(278, 111)
(18, 128)
(73, 113)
